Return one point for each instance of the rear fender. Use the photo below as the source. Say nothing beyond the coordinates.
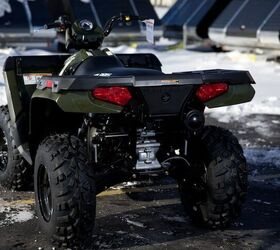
(77, 102)
(47, 118)
(236, 94)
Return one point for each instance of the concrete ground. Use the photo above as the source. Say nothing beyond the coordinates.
(153, 218)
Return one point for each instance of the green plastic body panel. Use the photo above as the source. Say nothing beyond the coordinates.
(236, 94)
(13, 95)
(76, 58)
(81, 56)
(78, 102)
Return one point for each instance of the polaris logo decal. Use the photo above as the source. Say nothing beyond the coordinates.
(165, 97)
(171, 81)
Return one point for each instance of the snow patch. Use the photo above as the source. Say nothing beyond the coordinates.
(175, 218)
(135, 223)
(5, 7)
(22, 216)
(125, 185)
(260, 127)
(267, 105)
(4, 53)
(257, 156)
(12, 212)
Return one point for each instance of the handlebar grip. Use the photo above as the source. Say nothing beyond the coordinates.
(130, 18)
(142, 18)
(52, 25)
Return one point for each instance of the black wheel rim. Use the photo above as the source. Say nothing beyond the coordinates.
(3, 152)
(44, 194)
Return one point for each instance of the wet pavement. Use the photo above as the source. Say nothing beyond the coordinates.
(153, 218)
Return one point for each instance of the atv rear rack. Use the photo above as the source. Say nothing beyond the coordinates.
(65, 83)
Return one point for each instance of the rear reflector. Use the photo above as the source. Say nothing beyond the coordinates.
(116, 95)
(209, 91)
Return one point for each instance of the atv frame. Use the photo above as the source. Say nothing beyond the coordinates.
(30, 125)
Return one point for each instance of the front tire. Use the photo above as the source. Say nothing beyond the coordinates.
(214, 194)
(65, 190)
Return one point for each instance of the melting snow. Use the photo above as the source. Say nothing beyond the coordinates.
(261, 127)
(22, 216)
(135, 223)
(270, 157)
(14, 213)
(174, 218)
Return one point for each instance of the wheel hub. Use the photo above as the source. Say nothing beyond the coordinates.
(45, 194)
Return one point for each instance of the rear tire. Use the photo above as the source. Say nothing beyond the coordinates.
(15, 173)
(65, 190)
(218, 186)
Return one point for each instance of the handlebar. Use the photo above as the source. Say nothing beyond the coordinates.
(64, 22)
(52, 25)
(121, 18)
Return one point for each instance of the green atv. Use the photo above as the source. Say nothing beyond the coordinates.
(94, 119)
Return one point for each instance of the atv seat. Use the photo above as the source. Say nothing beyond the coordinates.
(112, 66)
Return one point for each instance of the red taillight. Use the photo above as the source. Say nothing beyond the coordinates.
(209, 91)
(117, 95)
(49, 84)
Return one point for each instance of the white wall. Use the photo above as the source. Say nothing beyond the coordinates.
(163, 2)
